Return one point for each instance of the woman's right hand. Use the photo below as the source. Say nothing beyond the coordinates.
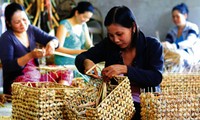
(88, 64)
(170, 46)
(38, 53)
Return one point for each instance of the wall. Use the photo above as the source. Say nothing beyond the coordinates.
(152, 15)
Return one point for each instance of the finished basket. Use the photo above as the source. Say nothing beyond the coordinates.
(118, 104)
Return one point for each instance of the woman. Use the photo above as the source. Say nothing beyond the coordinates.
(18, 46)
(73, 33)
(125, 51)
(183, 36)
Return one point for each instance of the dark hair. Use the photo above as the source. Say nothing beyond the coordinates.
(123, 16)
(182, 8)
(82, 7)
(10, 10)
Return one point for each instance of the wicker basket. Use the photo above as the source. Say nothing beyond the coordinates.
(180, 83)
(42, 100)
(118, 105)
(179, 99)
(168, 106)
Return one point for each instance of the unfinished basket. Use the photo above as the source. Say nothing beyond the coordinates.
(118, 105)
(168, 106)
(180, 83)
(179, 99)
(42, 100)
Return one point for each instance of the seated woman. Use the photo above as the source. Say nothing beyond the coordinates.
(183, 36)
(18, 47)
(73, 33)
(126, 51)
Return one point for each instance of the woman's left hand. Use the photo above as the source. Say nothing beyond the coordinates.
(50, 48)
(113, 70)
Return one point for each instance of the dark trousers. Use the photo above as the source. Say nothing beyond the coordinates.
(137, 115)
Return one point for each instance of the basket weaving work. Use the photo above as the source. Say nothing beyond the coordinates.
(180, 83)
(167, 106)
(117, 105)
(179, 99)
(39, 101)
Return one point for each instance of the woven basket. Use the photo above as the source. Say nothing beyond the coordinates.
(169, 106)
(118, 105)
(42, 100)
(179, 99)
(180, 83)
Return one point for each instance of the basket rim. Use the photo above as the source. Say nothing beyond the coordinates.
(188, 74)
(26, 84)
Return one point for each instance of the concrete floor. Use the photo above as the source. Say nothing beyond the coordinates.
(6, 111)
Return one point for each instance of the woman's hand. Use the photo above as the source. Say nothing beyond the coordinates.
(113, 70)
(50, 47)
(38, 53)
(90, 68)
(170, 46)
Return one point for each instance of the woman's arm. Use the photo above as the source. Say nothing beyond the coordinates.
(40, 36)
(12, 54)
(190, 35)
(151, 72)
(61, 34)
(36, 53)
(96, 54)
(89, 41)
(7, 54)
(191, 38)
